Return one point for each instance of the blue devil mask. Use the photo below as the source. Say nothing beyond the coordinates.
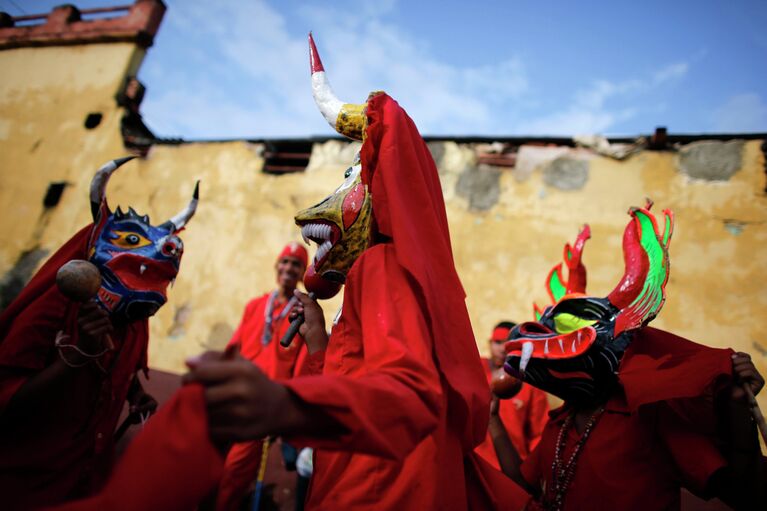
(137, 260)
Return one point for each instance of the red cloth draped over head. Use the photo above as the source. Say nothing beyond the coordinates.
(408, 208)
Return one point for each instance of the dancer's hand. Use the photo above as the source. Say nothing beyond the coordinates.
(745, 373)
(242, 402)
(94, 327)
(313, 330)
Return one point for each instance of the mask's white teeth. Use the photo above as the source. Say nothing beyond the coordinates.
(546, 348)
(322, 250)
(142, 269)
(527, 352)
(573, 346)
(561, 345)
(305, 228)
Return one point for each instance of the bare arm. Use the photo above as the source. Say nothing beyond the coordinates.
(508, 457)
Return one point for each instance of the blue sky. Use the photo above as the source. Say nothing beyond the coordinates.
(239, 69)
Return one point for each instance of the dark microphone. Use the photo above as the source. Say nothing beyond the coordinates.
(293, 328)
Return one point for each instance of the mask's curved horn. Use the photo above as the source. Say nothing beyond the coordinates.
(180, 220)
(100, 180)
(641, 292)
(346, 118)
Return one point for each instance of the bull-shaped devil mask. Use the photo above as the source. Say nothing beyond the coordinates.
(137, 260)
(574, 348)
(341, 224)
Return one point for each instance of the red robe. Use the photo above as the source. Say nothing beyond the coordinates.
(523, 416)
(275, 361)
(170, 466)
(243, 459)
(66, 454)
(381, 384)
(656, 435)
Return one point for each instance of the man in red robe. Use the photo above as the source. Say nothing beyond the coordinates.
(67, 368)
(645, 412)
(523, 415)
(257, 338)
(398, 399)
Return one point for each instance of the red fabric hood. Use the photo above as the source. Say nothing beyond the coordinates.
(408, 207)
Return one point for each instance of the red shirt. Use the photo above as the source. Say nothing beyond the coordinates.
(381, 384)
(523, 416)
(277, 362)
(630, 461)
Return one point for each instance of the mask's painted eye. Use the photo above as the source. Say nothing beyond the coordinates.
(348, 173)
(129, 240)
(172, 247)
(565, 323)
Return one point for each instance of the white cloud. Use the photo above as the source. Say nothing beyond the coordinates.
(741, 113)
(589, 111)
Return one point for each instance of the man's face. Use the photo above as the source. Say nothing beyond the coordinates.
(497, 351)
(289, 272)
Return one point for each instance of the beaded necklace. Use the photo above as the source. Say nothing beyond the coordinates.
(562, 474)
(266, 337)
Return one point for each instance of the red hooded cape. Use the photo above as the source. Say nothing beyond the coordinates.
(49, 461)
(408, 207)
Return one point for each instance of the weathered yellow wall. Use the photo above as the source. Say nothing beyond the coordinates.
(715, 296)
(45, 96)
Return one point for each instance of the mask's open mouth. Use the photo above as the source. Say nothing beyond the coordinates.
(142, 274)
(533, 340)
(324, 234)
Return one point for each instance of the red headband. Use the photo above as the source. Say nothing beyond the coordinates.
(500, 333)
(296, 250)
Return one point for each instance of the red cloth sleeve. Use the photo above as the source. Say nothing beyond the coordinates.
(489, 488)
(28, 346)
(310, 365)
(660, 366)
(694, 452)
(171, 465)
(388, 401)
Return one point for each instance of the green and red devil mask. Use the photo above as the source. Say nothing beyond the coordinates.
(137, 260)
(574, 348)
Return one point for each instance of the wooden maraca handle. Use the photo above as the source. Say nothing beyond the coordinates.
(756, 412)
(80, 281)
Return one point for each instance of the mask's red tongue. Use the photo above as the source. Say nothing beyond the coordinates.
(322, 288)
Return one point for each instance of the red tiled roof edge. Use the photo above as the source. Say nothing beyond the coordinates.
(64, 26)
